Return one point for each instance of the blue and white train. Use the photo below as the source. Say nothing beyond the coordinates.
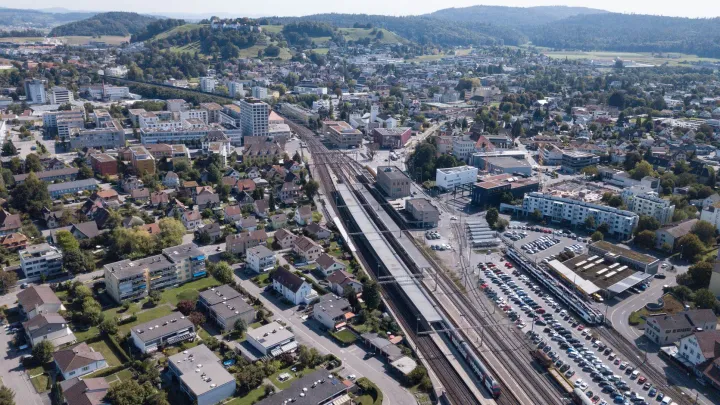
(475, 363)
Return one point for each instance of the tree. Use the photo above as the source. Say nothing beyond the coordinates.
(536, 216)
(308, 357)
(7, 281)
(32, 163)
(155, 297)
(705, 231)
(9, 149)
(197, 318)
(596, 236)
(705, 299)
(223, 272)
(31, 196)
(590, 171)
(92, 311)
(603, 228)
(372, 150)
(645, 239)
(240, 327)
(248, 378)
(311, 188)
(66, 241)
(186, 307)
(690, 247)
(682, 293)
(7, 396)
(43, 351)
(171, 232)
(80, 292)
(642, 169)
(590, 222)
(648, 223)
(371, 294)
(699, 275)
(501, 224)
(108, 326)
(131, 392)
(77, 261)
(491, 216)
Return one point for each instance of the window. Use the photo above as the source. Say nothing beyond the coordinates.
(86, 368)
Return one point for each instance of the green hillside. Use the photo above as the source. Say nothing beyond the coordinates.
(357, 34)
(113, 23)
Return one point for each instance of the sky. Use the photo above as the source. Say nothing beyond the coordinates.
(687, 8)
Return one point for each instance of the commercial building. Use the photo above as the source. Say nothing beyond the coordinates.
(168, 330)
(489, 190)
(391, 138)
(422, 213)
(35, 91)
(550, 155)
(317, 388)
(201, 376)
(71, 187)
(667, 329)
(64, 122)
(61, 95)
(260, 259)
(254, 117)
(463, 147)
(621, 223)
(632, 259)
(107, 134)
(272, 339)
(452, 177)
(342, 134)
(393, 182)
(643, 202)
(41, 260)
(509, 165)
(78, 360)
(574, 161)
(134, 279)
(38, 299)
(225, 306)
(310, 88)
(666, 236)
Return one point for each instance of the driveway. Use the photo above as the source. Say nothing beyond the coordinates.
(308, 333)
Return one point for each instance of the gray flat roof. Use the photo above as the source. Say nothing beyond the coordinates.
(230, 308)
(181, 252)
(127, 268)
(587, 287)
(219, 294)
(270, 335)
(161, 326)
(389, 258)
(316, 388)
(72, 184)
(392, 172)
(200, 369)
(629, 282)
(507, 162)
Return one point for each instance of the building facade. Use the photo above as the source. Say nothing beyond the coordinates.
(254, 117)
(41, 260)
(393, 182)
(452, 177)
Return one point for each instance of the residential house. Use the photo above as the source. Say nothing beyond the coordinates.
(317, 231)
(159, 199)
(14, 241)
(51, 327)
(278, 221)
(289, 192)
(303, 215)
(213, 231)
(307, 249)
(272, 340)
(340, 280)
(41, 260)
(668, 235)
(224, 306)
(207, 198)
(238, 244)
(87, 391)
(247, 224)
(332, 312)
(292, 287)
(52, 219)
(328, 264)
(141, 195)
(232, 213)
(38, 299)
(667, 329)
(208, 385)
(161, 332)
(191, 219)
(171, 180)
(9, 223)
(260, 259)
(284, 238)
(261, 208)
(699, 347)
(245, 185)
(78, 360)
(130, 183)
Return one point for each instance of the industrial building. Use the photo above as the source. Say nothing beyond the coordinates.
(509, 165)
(393, 182)
(490, 189)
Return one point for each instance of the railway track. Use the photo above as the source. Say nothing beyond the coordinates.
(456, 388)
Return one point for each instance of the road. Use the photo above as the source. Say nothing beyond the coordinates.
(353, 357)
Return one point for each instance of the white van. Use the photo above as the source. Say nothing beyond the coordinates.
(666, 401)
(635, 374)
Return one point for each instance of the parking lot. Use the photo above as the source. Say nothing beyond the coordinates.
(564, 240)
(583, 360)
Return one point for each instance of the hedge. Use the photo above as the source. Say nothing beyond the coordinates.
(371, 389)
(321, 290)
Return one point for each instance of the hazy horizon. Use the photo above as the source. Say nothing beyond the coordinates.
(692, 8)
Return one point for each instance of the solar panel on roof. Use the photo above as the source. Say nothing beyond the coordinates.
(600, 273)
(612, 273)
(581, 263)
(622, 268)
(614, 265)
(591, 258)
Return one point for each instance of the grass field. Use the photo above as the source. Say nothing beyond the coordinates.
(188, 291)
(354, 34)
(191, 48)
(41, 383)
(85, 335)
(672, 59)
(672, 306)
(122, 375)
(345, 336)
(272, 28)
(72, 40)
(294, 376)
(110, 357)
(249, 399)
(177, 30)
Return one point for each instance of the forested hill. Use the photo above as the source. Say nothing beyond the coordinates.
(422, 30)
(113, 23)
(13, 17)
(516, 17)
(631, 33)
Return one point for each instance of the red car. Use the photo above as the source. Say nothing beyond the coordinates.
(484, 286)
(540, 310)
(642, 380)
(581, 327)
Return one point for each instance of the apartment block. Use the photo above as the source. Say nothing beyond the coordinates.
(142, 160)
(61, 95)
(225, 306)
(574, 212)
(643, 202)
(574, 161)
(107, 134)
(254, 117)
(165, 331)
(35, 91)
(201, 376)
(41, 260)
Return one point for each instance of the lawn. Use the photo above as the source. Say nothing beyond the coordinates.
(107, 351)
(120, 312)
(122, 375)
(146, 316)
(261, 280)
(35, 371)
(177, 30)
(345, 336)
(204, 335)
(672, 306)
(272, 28)
(85, 335)
(41, 383)
(283, 385)
(188, 291)
(354, 34)
(249, 399)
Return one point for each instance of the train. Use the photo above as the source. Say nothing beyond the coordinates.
(478, 367)
(579, 398)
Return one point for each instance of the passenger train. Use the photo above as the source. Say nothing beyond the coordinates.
(478, 367)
